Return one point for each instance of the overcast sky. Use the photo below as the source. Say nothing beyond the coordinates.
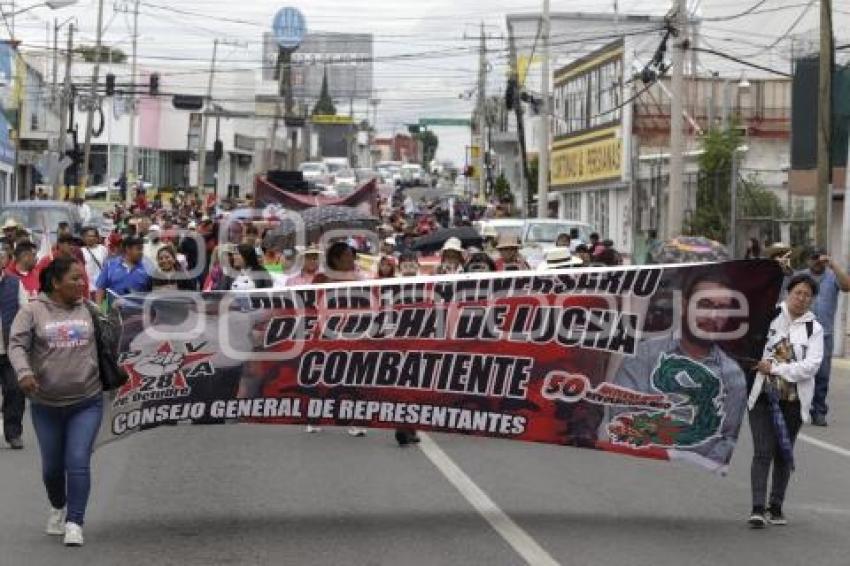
(445, 31)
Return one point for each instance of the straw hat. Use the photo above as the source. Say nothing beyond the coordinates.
(508, 241)
(452, 244)
(10, 223)
(777, 249)
(490, 232)
(561, 257)
(312, 249)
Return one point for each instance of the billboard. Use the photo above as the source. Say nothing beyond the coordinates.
(588, 108)
(346, 56)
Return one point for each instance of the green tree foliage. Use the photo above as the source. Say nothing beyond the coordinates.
(430, 142)
(755, 201)
(325, 105)
(711, 216)
(714, 200)
(89, 54)
(502, 189)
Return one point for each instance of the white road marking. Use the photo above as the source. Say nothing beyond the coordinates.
(825, 445)
(513, 534)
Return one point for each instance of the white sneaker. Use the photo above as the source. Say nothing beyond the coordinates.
(356, 431)
(312, 429)
(56, 522)
(73, 534)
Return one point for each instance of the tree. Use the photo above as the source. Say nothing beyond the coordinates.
(430, 142)
(89, 54)
(713, 206)
(755, 201)
(502, 189)
(325, 105)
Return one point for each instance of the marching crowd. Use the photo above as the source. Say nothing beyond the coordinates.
(49, 351)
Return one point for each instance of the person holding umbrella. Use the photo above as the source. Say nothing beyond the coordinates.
(781, 398)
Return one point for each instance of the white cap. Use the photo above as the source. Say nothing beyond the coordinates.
(561, 257)
(389, 241)
(453, 244)
(154, 228)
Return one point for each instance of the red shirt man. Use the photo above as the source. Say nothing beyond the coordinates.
(24, 267)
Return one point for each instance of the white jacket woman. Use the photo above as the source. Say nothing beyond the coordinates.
(805, 335)
(791, 359)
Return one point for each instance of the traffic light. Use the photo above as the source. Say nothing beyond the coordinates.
(154, 84)
(187, 102)
(218, 150)
(110, 84)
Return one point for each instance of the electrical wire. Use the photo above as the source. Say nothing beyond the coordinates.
(739, 60)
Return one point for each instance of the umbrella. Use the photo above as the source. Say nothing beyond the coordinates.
(431, 243)
(687, 249)
(780, 427)
(317, 221)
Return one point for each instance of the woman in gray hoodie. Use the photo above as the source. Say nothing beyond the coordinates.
(53, 350)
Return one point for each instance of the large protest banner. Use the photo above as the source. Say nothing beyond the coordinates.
(649, 361)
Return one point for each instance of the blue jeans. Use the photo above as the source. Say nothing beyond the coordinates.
(66, 438)
(819, 406)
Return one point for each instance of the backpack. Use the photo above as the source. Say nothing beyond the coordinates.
(810, 325)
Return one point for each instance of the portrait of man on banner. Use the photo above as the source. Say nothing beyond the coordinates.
(703, 388)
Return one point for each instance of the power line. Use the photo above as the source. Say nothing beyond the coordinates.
(740, 61)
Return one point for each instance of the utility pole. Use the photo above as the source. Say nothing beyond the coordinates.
(93, 95)
(824, 126)
(64, 101)
(55, 59)
(202, 143)
(284, 62)
(520, 125)
(675, 191)
(482, 115)
(130, 164)
(543, 152)
(733, 212)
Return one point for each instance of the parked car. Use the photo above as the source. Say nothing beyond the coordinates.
(411, 175)
(345, 177)
(364, 175)
(316, 173)
(503, 227)
(393, 172)
(335, 165)
(100, 191)
(39, 216)
(536, 235)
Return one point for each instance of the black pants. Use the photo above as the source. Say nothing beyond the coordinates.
(766, 451)
(14, 400)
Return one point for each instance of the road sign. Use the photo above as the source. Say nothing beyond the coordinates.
(463, 122)
(289, 28)
(334, 119)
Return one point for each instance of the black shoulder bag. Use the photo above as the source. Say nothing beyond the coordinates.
(112, 376)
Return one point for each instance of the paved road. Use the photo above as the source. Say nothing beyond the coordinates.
(274, 495)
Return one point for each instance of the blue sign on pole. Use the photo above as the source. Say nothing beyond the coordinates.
(289, 28)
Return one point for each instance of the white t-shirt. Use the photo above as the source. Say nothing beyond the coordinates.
(95, 258)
